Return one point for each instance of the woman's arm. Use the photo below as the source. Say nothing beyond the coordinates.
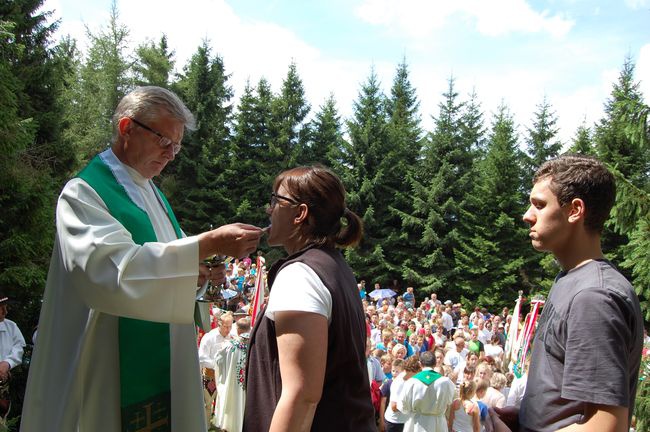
(452, 414)
(382, 410)
(475, 412)
(302, 350)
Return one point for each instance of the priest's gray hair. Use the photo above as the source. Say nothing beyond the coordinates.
(148, 103)
(427, 359)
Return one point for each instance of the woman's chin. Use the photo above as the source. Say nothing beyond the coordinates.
(272, 241)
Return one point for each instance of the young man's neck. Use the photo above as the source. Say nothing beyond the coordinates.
(581, 251)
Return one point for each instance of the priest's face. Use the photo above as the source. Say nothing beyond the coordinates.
(142, 149)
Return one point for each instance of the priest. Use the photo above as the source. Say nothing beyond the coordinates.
(117, 345)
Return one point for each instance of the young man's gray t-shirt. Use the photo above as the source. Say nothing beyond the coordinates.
(587, 348)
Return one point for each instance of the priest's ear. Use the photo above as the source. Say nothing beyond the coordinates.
(124, 126)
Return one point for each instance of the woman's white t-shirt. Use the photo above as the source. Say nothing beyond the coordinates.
(298, 288)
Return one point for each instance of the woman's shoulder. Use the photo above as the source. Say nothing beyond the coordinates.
(470, 407)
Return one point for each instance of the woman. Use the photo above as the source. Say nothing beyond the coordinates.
(307, 365)
(464, 414)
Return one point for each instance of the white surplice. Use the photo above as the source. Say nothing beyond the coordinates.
(231, 395)
(425, 406)
(97, 273)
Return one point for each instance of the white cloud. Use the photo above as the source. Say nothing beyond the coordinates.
(637, 4)
(508, 16)
(418, 18)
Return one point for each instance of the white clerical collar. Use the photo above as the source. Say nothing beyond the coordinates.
(128, 178)
(138, 178)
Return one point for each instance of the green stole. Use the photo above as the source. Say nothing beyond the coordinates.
(427, 377)
(145, 388)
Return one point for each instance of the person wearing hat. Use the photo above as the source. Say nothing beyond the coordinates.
(12, 344)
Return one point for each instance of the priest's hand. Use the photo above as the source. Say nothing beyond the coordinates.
(216, 274)
(236, 240)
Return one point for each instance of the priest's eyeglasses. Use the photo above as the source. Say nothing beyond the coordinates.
(275, 197)
(163, 142)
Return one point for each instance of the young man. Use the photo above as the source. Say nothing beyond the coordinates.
(574, 384)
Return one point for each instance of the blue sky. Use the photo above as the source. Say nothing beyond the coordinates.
(515, 51)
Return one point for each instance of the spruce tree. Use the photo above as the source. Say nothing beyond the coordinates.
(103, 81)
(615, 147)
(199, 190)
(290, 109)
(491, 262)
(154, 63)
(612, 137)
(366, 195)
(472, 128)
(326, 143)
(405, 138)
(582, 143)
(439, 188)
(541, 142)
(252, 179)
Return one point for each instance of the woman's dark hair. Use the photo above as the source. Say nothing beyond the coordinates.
(322, 191)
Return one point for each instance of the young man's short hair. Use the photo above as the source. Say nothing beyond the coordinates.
(585, 177)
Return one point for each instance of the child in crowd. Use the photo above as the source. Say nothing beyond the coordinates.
(464, 415)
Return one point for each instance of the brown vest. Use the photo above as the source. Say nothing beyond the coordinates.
(345, 404)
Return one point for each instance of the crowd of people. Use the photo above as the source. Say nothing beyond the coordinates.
(465, 349)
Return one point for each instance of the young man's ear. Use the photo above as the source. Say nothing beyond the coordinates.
(577, 210)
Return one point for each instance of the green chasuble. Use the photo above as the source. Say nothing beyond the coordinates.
(144, 345)
(427, 377)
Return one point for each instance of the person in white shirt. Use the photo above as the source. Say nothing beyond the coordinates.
(426, 397)
(12, 343)
(394, 418)
(484, 335)
(230, 369)
(447, 320)
(458, 355)
(210, 345)
(517, 390)
(493, 348)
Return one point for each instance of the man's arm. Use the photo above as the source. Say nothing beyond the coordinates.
(602, 418)
(15, 357)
